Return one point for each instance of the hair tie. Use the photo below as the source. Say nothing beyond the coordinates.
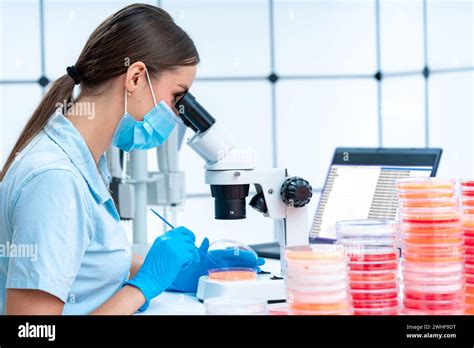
(72, 71)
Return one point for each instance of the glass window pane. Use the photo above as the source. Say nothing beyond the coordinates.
(17, 103)
(20, 40)
(401, 35)
(450, 33)
(232, 37)
(324, 37)
(452, 122)
(403, 112)
(315, 117)
(68, 25)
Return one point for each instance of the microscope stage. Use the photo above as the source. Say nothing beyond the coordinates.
(266, 286)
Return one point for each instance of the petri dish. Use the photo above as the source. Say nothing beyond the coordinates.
(226, 305)
(366, 229)
(232, 261)
(430, 228)
(449, 267)
(429, 203)
(376, 304)
(374, 285)
(432, 278)
(316, 278)
(278, 310)
(431, 288)
(377, 276)
(377, 311)
(469, 242)
(319, 307)
(469, 268)
(470, 300)
(433, 296)
(454, 305)
(423, 183)
(430, 215)
(379, 255)
(316, 252)
(468, 202)
(311, 296)
(343, 311)
(469, 310)
(319, 290)
(418, 239)
(373, 266)
(232, 274)
(374, 294)
(408, 311)
(467, 185)
(432, 194)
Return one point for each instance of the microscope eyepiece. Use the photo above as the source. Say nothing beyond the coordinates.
(193, 114)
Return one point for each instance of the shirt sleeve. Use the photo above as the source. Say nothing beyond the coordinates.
(50, 218)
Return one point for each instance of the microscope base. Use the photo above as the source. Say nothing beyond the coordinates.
(265, 286)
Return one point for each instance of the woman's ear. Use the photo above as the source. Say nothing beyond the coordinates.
(135, 73)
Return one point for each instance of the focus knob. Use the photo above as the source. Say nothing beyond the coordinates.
(296, 192)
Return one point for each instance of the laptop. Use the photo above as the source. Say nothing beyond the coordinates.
(360, 184)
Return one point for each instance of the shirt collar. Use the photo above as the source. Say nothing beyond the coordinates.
(66, 136)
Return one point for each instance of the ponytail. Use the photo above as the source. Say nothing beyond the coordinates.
(60, 91)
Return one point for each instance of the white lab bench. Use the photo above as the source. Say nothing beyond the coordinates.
(175, 303)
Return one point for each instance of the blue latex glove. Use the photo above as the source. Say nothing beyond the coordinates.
(170, 253)
(187, 280)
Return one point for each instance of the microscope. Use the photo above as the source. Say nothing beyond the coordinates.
(230, 172)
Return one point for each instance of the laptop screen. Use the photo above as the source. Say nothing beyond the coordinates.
(361, 185)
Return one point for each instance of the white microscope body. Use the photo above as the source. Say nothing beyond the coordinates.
(230, 172)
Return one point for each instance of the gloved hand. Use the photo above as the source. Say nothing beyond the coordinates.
(187, 280)
(169, 254)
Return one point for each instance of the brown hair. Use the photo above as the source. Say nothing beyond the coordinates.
(137, 32)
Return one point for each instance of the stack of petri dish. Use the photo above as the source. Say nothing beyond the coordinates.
(467, 190)
(316, 280)
(432, 247)
(372, 250)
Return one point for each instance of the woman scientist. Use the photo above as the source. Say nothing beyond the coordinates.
(54, 190)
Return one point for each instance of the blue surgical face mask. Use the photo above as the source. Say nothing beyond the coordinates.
(157, 125)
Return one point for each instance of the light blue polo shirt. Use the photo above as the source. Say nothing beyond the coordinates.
(59, 229)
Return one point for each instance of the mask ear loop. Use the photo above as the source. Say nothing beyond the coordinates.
(126, 97)
(151, 87)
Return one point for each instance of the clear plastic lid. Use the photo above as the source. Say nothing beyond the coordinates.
(316, 252)
(366, 229)
(226, 305)
(448, 267)
(231, 255)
